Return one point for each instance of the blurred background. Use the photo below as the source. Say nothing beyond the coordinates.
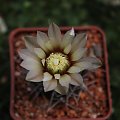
(38, 13)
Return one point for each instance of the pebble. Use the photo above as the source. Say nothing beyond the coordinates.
(29, 89)
(16, 114)
(71, 113)
(93, 116)
(17, 73)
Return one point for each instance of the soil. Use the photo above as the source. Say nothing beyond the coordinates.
(29, 104)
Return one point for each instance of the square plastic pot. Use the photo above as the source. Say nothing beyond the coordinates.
(12, 41)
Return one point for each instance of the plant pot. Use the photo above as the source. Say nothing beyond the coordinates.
(22, 108)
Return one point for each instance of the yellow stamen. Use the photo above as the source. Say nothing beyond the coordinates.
(57, 62)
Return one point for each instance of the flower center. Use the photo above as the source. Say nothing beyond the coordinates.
(57, 63)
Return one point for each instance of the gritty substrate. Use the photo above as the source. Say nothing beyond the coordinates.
(30, 105)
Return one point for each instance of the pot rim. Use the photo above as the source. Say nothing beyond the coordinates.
(44, 29)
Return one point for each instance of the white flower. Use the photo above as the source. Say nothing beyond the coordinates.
(56, 60)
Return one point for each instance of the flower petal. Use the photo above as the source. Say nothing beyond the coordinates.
(79, 41)
(79, 53)
(42, 38)
(50, 85)
(76, 79)
(67, 39)
(30, 42)
(83, 65)
(31, 74)
(47, 76)
(74, 69)
(61, 89)
(31, 64)
(54, 34)
(49, 45)
(26, 54)
(72, 32)
(34, 76)
(36, 79)
(43, 62)
(65, 80)
(95, 62)
(40, 53)
(67, 49)
(57, 76)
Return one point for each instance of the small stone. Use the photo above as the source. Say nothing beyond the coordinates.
(93, 116)
(84, 114)
(60, 113)
(16, 114)
(29, 89)
(100, 89)
(31, 114)
(72, 113)
(40, 116)
(82, 95)
(17, 73)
